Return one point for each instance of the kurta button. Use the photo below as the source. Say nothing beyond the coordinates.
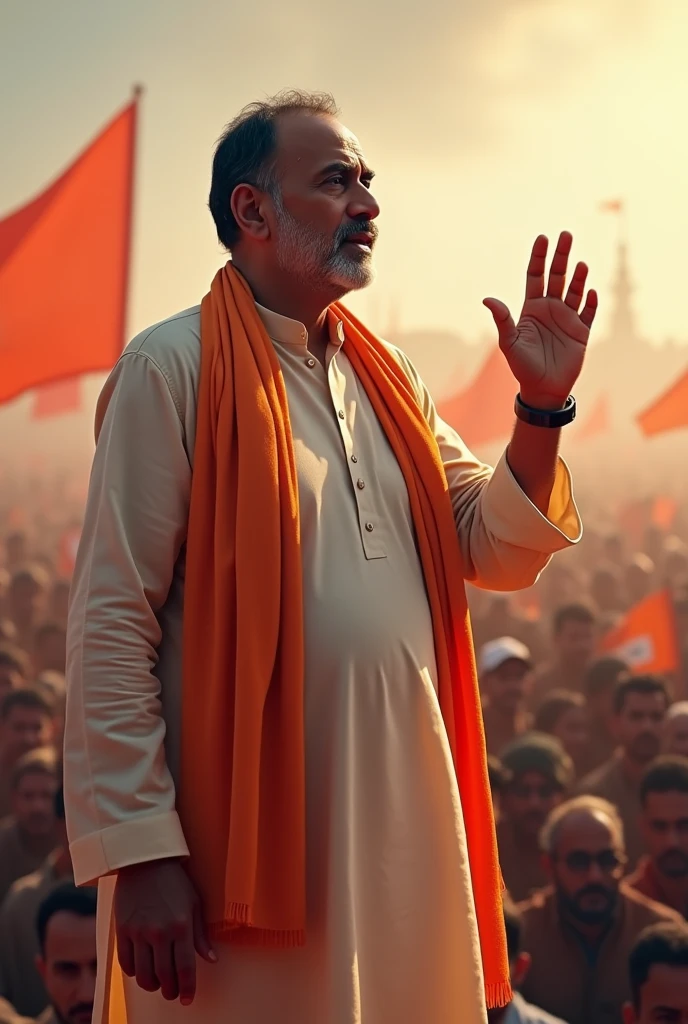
(310, 362)
(340, 414)
(369, 527)
(360, 484)
(354, 458)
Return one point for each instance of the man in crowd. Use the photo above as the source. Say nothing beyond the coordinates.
(580, 932)
(562, 714)
(505, 670)
(574, 637)
(540, 774)
(67, 954)
(518, 1011)
(658, 967)
(14, 669)
(26, 723)
(498, 776)
(29, 835)
(662, 875)
(640, 705)
(26, 598)
(20, 983)
(347, 758)
(675, 735)
(599, 688)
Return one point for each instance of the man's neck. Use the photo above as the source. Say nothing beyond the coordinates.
(632, 770)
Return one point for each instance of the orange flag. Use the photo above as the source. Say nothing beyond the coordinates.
(484, 411)
(669, 411)
(64, 267)
(664, 511)
(611, 205)
(598, 420)
(58, 398)
(647, 638)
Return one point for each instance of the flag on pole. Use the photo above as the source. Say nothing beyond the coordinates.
(668, 412)
(647, 639)
(64, 267)
(56, 399)
(664, 512)
(612, 205)
(484, 411)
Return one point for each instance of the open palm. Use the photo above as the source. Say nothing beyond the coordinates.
(546, 348)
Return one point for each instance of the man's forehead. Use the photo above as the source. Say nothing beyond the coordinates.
(583, 827)
(311, 140)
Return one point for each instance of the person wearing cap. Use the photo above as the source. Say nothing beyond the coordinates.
(540, 773)
(505, 670)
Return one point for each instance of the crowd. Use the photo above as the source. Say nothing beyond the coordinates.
(588, 764)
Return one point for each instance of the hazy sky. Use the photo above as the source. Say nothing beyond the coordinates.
(487, 121)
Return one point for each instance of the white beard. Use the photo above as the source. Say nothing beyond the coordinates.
(315, 260)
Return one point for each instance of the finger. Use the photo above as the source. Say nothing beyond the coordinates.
(145, 972)
(574, 295)
(535, 275)
(503, 320)
(125, 954)
(185, 968)
(590, 308)
(164, 967)
(200, 936)
(557, 272)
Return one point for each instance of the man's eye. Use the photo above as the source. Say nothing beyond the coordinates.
(337, 179)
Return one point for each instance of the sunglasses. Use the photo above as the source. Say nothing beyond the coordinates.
(579, 861)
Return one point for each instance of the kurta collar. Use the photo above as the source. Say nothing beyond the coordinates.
(285, 331)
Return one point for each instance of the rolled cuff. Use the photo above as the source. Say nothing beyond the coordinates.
(510, 515)
(131, 842)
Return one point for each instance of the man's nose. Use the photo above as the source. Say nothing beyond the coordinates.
(595, 873)
(364, 205)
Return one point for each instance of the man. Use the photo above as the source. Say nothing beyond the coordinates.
(663, 874)
(66, 927)
(574, 636)
(599, 687)
(675, 734)
(343, 870)
(640, 704)
(505, 670)
(26, 723)
(19, 981)
(27, 597)
(579, 933)
(29, 834)
(540, 775)
(518, 1011)
(658, 967)
(14, 669)
(498, 778)
(563, 714)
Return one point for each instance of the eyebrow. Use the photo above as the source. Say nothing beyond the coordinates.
(345, 167)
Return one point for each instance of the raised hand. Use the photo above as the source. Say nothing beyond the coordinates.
(546, 348)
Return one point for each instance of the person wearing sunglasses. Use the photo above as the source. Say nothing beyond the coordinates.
(581, 929)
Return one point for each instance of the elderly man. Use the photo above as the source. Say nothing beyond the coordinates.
(273, 737)
(580, 932)
(658, 967)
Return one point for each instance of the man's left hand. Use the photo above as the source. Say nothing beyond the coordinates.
(546, 348)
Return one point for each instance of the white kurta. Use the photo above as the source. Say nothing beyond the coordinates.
(391, 930)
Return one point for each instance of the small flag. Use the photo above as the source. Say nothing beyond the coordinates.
(669, 411)
(664, 511)
(647, 639)
(612, 205)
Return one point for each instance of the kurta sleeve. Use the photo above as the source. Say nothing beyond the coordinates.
(119, 793)
(505, 540)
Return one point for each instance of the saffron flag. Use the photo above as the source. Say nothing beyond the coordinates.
(64, 267)
(668, 412)
(664, 510)
(55, 399)
(484, 411)
(598, 420)
(647, 638)
(611, 205)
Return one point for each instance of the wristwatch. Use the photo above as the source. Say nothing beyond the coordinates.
(542, 418)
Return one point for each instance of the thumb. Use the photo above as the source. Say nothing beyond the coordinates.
(501, 316)
(201, 942)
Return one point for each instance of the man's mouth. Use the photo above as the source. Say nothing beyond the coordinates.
(362, 240)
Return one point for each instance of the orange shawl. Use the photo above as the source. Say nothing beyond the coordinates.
(242, 791)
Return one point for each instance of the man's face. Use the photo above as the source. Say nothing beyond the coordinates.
(675, 736)
(68, 966)
(587, 866)
(572, 730)
(663, 997)
(638, 726)
(324, 211)
(527, 801)
(24, 729)
(509, 686)
(665, 831)
(575, 643)
(33, 803)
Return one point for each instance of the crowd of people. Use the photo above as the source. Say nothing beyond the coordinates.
(588, 763)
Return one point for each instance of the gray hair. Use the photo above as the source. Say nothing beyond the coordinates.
(592, 805)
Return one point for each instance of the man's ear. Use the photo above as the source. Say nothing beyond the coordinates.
(519, 970)
(628, 1012)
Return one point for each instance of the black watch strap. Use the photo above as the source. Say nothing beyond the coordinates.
(542, 418)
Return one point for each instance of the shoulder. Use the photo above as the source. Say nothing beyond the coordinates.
(23, 888)
(644, 911)
(527, 1014)
(536, 908)
(598, 779)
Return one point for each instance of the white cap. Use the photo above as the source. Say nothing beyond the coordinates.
(496, 652)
